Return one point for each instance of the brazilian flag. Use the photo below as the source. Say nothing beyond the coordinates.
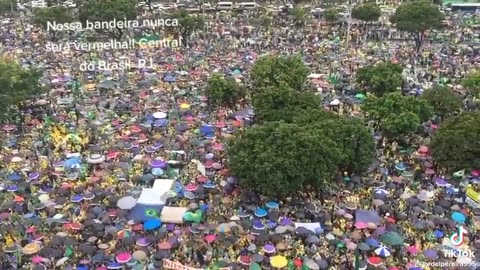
(152, 213)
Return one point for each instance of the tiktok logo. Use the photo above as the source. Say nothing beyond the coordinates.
(458, 237)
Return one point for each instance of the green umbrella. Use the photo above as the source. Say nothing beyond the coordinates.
(360, 96)
(392, 239)
(255, 266)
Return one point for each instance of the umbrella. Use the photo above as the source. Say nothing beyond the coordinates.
(430, 253)
(311, 264)
(152, 224)
(278, 261)
(382, 252)
(392, 239)
(458, 217)
(126, 203)
(372, 242)
(363, 246)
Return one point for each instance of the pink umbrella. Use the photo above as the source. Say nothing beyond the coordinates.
(191, 187)
(475, 173)
(423, 149)
(361, 225)
(210, 238)
(124, 257)
(37, 259)
(412, 250)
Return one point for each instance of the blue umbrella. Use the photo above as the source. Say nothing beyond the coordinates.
(209, 185)
(372, 242)
(272, 205)
(400, 167)
(15, 177)
(458, 217)
(438, 234)
(260, 212)
(157, 171)
(430, 253)
(383, 252)
(152, 224)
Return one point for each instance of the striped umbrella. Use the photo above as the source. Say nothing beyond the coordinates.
(382, 252)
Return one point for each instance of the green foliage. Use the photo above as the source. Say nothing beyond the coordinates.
(417, 17)
(381, 78)
(455, 145)
(108, 10)
(223, 91)
(368, 12)
(278, 159)
(331, 15)
(7, 6)
(282, 103)
(443, 100)
(58, 14)
(472, 83)
(351, 137)
(187, 23)
(16, 86)
(274, 71)
(299, 16)
(395, 113)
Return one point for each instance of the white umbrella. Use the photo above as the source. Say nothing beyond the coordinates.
(17, 159)
(160, 115)
(311, 264)
(126, 203)
(61, 261)
(96, 159)
(335, 102)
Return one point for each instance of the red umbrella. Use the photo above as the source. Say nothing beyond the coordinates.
(375, 261)
(164, 246)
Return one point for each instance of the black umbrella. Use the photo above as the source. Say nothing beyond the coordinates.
(162, 254)
(87, 249)
(303, 231)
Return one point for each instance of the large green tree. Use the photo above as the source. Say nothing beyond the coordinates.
(273, 71)
(455, 145)
(443, 100)
(353, 140)
(282, 103)
(187, 24)
(108, 10)
(416, 18)
(7, 7)
(57, 14)
(278, 159)
(397, 115)
(17, 85)
(472, 83)
(369, 12)
(380, 78)
(223, 91)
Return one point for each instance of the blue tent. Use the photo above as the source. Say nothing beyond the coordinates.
(207, 130)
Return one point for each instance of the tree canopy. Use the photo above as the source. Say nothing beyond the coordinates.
(443, 100)
(455, 144)
(7, 6)
(472, 83)
(108, 10)
(380, 78)
(368, 12)
(16, 86)
(58, 14)
(278, 159)
(331, 15)
(187, 24)
(397, 115)
(282, 103)
(223, 91)
(273, 71)
(416, 18)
